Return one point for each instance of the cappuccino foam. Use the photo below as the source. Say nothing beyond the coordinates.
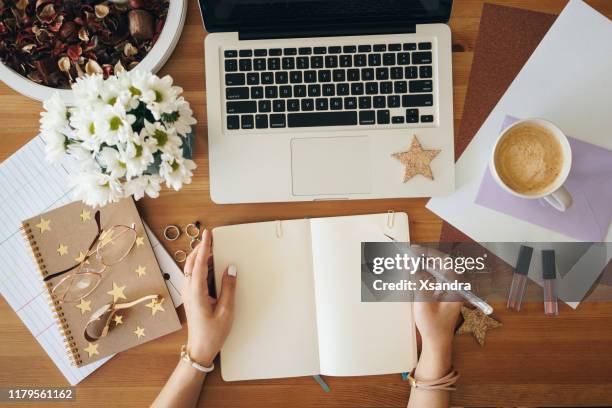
(529, 159)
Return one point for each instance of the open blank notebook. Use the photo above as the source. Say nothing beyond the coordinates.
(298, 300)
(30, 186)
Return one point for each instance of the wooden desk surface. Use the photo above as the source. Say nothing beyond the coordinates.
(530, 361)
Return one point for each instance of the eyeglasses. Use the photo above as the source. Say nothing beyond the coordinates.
(100, 321)
(109, 246)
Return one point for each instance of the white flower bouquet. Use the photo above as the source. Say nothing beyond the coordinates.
(129, 133)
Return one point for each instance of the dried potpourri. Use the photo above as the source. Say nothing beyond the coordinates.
(52, 42)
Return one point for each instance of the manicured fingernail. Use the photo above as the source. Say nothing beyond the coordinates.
(231, 270)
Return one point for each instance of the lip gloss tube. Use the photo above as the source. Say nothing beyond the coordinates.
(549, 273)
(519, 280)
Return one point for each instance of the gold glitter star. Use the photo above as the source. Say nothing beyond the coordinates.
(155, 306)
(62, 249)
(81, 257)
(139, 332)
(141, 271)
(84, 306)
(477, 323)
(117, 292)
(44, 225)
(416, 160)
(139, 241)
(118, 319)
(91, 349)
(85, 215)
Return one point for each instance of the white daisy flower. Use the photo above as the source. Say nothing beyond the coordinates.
(159, 94)
(114, 125)
(176, 171)
(87, 88)
(83, 122)
(55, 116)
(182, 118)
(56, 145)
(110, 160)
(137, 157)
(146, 184)
(96, 189)
(117, 90)
(165, 138)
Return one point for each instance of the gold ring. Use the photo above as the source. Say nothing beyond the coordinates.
(180, 256)
(193, 230)
(172, 232)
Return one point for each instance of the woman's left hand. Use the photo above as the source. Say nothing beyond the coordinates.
(209, 321)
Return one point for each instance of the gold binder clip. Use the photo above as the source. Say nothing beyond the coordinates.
(390, 219)
(279, 229)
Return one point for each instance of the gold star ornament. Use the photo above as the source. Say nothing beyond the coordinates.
(155, 306)
(117, 292)
(141, 271)
(44, 225)
(139, 241)
(139, 332)
(118, 319)
(91, 349)
(84, 306)
(416, 160)
(62, 249)
(85, 215)
(477, 323)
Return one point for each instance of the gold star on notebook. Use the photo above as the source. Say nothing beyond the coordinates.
(62, 249)
(141, 271)
(44, 225)
(139, 241)
(84, 306)
(81, 257)
(139, 332)
(416, 160)
(91, 349)
(155, 306)
(117, 292)
(85, 215)
(118, 319)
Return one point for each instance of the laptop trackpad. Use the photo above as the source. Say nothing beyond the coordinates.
(331, 165)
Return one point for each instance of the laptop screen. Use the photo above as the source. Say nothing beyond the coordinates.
(270, 15)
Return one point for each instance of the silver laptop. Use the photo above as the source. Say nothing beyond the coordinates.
(309, 100)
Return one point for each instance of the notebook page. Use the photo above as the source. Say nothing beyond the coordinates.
(30, 186)
(274, 332)
(358, 338)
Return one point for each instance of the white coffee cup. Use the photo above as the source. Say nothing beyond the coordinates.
(555, 194)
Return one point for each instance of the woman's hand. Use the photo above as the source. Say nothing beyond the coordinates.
(209, 321)
(436, 322)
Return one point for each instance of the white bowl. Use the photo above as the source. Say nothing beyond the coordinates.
(153, 61)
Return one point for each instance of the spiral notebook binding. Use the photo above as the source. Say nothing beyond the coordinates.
(54, 303)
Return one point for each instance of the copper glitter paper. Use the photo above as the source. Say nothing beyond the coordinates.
(477, 323)
(416, 160)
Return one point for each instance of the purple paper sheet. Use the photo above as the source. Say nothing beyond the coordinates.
(589, 183)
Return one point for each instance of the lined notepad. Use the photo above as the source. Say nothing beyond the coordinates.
(30, 186)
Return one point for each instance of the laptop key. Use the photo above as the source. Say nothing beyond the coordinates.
(267, 78)
(246, 121)
(264, 106)
(397, 119)
(364, 48)
(234, 79)
(382, 74)
(397, 73)
(278, 120)
(367, 117)
(310, 76)
(409, 46)
(411, 73)
(281, 77)
(412, 116)
(425, 46)
(288, 63)
(274, 64)
(299, 91)
(322, 119)
(245, 65)
(325, 75)
(321, 104)
(305, 51)
(373, 60)
(329, 90)
(230, 53)
(346, 61)
(293, 105)
(331, 61)
(233, 122)
(395, 47)
(425, 71)
(403, 58)
(245, 53)
(307, 104)
(259, 64)
(357, 88)
(278, 105)
(348, 49)
(421, 86)
(382, 117)
(413, 101)
(257, 92)
(400, 87)
(393, 101)
(290, 51)
(352, 74)
(371, 88)
(302, 62)
(285, 91)
(420, 58)
(365, 102)
(261, 121)
(342, 89)
(378, 101)
(316, 62)
(339, 75)
(360, 60)
(335, 103)
(389, 59)
(275, 52)
(386, 87)
(320, 50)
(261, 52)
(350, 103)
(231, 65)
(237, 93)
(367, 74)
(295, 77)
(334, 50)
(252, 78)
(427, 118)
(380, 47)
(314, 90)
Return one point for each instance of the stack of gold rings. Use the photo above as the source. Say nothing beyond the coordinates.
(192, 230)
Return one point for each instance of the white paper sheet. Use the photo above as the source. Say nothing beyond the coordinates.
(567, 80)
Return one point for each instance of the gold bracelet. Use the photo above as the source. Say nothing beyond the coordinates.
(187, 358)
(446, 383)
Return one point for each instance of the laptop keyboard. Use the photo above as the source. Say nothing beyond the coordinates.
(351, 85)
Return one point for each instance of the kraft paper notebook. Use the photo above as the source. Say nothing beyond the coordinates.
(298, 300)
(58, 240)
